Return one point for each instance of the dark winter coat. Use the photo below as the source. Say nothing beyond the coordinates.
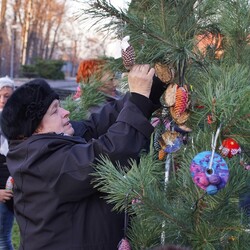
(56, 206)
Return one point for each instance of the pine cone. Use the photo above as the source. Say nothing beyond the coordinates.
(181, 119)
(128, 57)
(181, 101)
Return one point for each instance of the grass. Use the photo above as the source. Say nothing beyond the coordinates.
(15, 236)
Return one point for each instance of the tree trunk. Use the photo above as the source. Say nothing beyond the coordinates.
(2, 31)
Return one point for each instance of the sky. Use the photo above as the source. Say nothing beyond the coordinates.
(119, 3)
(113, 48)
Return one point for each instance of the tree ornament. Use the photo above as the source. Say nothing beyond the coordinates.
(164, 72)
(229, 148)
(170, 94)
(245, 164)
(181, 119)
(182, 129)
(247, 167)
(213, 178)
(161, 125)
(210, 119)
(161, 154)
(209, 170)
(181, 100)
(232, 238)
(124, 244)
(170, 141)
(128, 53)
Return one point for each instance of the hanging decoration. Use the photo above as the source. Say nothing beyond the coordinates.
(161, 125)
(181, 100)
(164, 72)
(170, 141)
(209, 170)
(210, 119)
(169, 95)
(128, 53)
(244, 164)
(179, 119)
(229, 148)
(124, 243)
(176, 98)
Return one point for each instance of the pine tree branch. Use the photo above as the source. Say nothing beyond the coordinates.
(103, 9)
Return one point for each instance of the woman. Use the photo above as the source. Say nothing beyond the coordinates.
(6, 200)
(56, 206)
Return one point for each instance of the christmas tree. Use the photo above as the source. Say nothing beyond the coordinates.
(188, 189)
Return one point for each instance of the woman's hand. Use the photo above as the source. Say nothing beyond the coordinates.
(140, 79)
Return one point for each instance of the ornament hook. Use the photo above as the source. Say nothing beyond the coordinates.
(213, 145)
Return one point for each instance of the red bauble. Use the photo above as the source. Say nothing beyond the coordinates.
(229, 148)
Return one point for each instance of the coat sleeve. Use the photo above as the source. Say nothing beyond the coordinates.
(99, 122)
(123, 140)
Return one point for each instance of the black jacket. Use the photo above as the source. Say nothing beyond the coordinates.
(56, 206)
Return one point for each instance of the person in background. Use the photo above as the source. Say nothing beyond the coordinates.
(56, 205)
(94, 70)
(6, 195)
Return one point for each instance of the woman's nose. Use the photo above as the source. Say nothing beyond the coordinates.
(65, 112)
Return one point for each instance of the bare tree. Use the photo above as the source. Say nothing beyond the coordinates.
(3, 32)
(40, 23)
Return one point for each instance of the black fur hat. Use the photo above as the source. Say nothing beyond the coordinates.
(25, 109)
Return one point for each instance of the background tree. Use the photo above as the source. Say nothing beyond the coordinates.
(3, 34)
(35, 29)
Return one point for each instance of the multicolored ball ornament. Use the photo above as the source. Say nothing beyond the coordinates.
(209, 178)
(229, 148)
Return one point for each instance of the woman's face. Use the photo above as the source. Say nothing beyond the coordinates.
(5, 93)
(56, 120)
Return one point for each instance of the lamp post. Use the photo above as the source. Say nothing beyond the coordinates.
(12, 53)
